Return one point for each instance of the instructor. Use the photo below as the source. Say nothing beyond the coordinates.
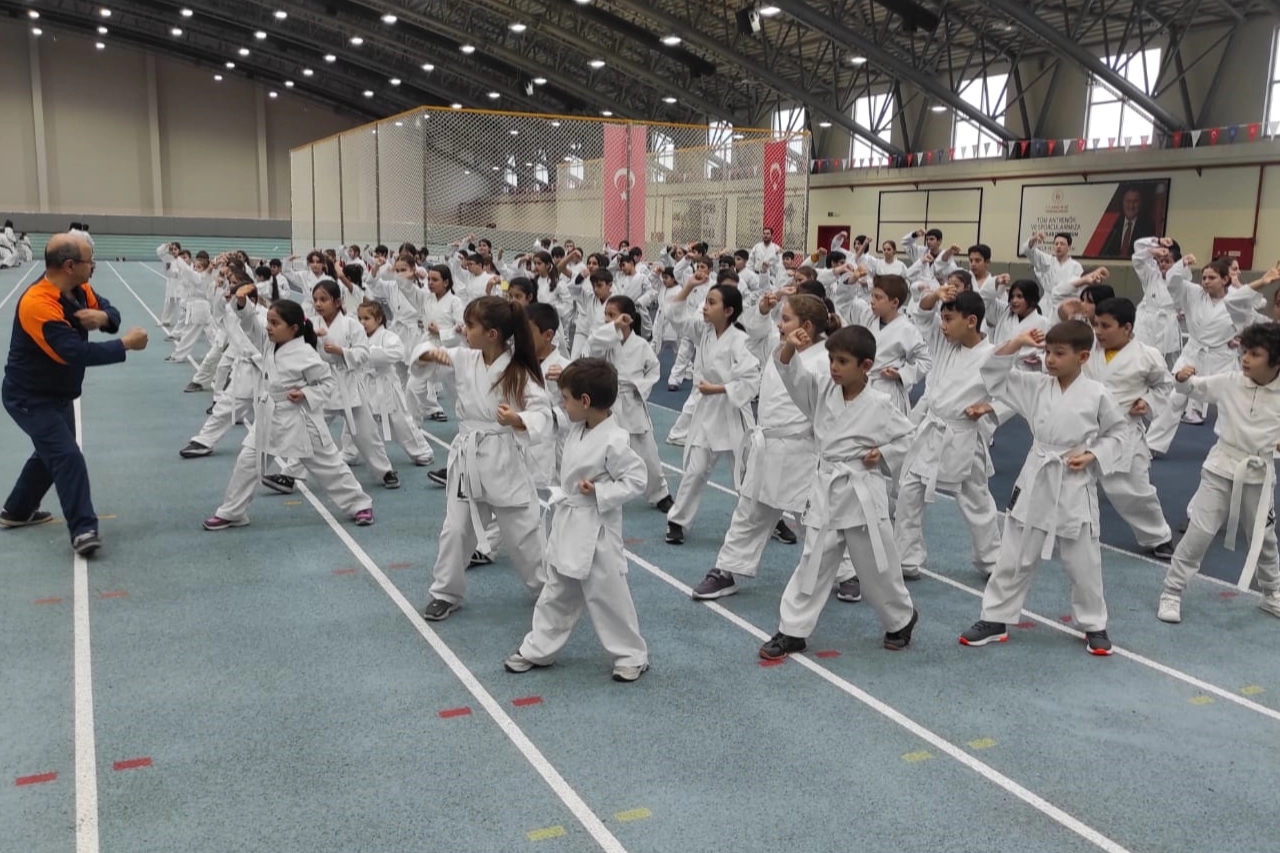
(47, 357)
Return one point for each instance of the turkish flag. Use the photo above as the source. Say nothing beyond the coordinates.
(1053, 143)
(1253, 131)
(775, 187)
(624, 184)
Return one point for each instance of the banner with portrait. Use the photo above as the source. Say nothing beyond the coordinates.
(1104, 219)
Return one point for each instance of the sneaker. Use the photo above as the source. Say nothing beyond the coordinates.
(194, 388)
(672, 387)
(850, 591)
(391, 480)
(363, 518)
(1182, 528)
(985, 632)
(675, 534)
(8, 519)
(1169, 608)
(1163, 551)
(1097, 643)
(627, 674)
(1192, 420)
(780, 645)
(784, 534)
(194, 450)
(516, 663)
(1270, 603)
(439, 609)
(85, 544)
(209, 411)
(171, 359)
(440, 477)
(424, 461)
(479, 558)
(717, 584)
(439, 417)
(279, 483)
(217, 523)
(911, 573)
(664, 505)
(896, 641)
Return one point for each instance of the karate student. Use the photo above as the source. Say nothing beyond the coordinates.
(488, 470)
(288, 421)
(170, 313)
(589, 296)
(1138, 380)
(949, 448)
(437, 316)
(861, 439)
(1078, 433)
(1056, 272)
(585, 566)
(1156, 323)
(1237, 480)
(385, 392)
(196, 281)
(1247, 305)
(727, 378)
(902, 358)
(620, 342)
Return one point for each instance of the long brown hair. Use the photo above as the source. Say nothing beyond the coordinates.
(508, 319)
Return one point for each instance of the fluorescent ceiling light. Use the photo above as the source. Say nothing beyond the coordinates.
(596, 63)
(493, 96)
(217, 78)
(769, 10)
(273, 94)
(36, 31)
(468, 48)
(186, 13)
(357, 41)
(539, 81)
(307, 72)
(281, 14)
(32, 14)
(329, 57)
(427, 66)
(671, 41)
(389, 19)
(244, 51)
(517, 27)
(368, 93)
(669, 100)
(455, 106)
(175, 32)
(260, 35)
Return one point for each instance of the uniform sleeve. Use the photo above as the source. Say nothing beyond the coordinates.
(650, 371)
(1015, 387)
(43, 318)
(917, 363)
(898, 432)
(801, 384)
(744, 384)
(99, 302)
(391, 351)
(683, 316)
(1210, 389)
(1246, 307)
(603, 340)
(1110, 447)
(626, 478)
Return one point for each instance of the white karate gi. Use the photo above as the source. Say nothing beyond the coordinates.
(1156, 323)
(235, 402)
(170, 312)
(9, 256)
(1055, 277)
(585, 566)
(387, 399)
(350, 398)
(1052, 503)
(899, 345)
(638, 370)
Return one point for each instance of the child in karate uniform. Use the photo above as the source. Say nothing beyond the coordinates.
(386, 395)
(949, 446)
(1078, 433)
(1237, 482)
(861, 438)
(585, 566)
(902, 358)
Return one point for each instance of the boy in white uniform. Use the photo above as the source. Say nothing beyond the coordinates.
(586, 566)
(1078, 432)
(1237, 482)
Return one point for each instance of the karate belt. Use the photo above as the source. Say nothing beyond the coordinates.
(397, 393)
(756, 441)
(1245, 461)
(341, 377)
(831, 474)
(946, 435)
(1054, 457)
(264, 414)
(464, 457)
(577, 564)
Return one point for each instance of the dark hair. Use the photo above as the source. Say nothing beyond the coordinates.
(626, 305)
(1119, 308)
(1175, 250)
(544, 316)
(856, 341)
(445, 273)
(381, 250)
(934, 233)
(967, 304)
(594, 378)
(56, 256)
(1221, 266)
(528, 285)
(1096, 294)
(1073, 333)
(602, 260)
(1263, 336)
(264, 273)
(728, 274)
(814, 311)
(274, 262)
(508, 319)
(964, 277)
(982, 249)
(894, 287)
(892, 243)
(354, 273)
(813, 287)
(202, 255)
(374, 308)
(731, 298)
(324, 259)
(1029, 289)
(601, 276)
(743, 254)
(1064, 235)
(834, 258)
(330, 287)
(291, 314)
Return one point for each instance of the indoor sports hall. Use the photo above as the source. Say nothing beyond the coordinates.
(276, 688)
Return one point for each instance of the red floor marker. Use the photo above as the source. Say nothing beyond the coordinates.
(633, 541)
(344, 571)
(778, 662)
(830, 653)
(1065, 619)
(1228, 593)
(526, 701)
(116, 593)
(48, 600)
(455, 712)
(131, 764)
(1025, 625)
(400, 565)
(38, 779)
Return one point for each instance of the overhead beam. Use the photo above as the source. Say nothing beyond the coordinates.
(1056, 40)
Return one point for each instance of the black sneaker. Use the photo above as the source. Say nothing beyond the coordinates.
(194, 450)
(438, 610)
(391, 480)
(784, 534)
(717, 584)
(665, 504)
(849, 591)
(479, 558)
(440, 478)
(8, 519)
(780, 645)
(85, 544)
(209, 411)
(985, 632)
(279, 483)
(194, 388)
(675, 534)
(1163, 551)
(1097, 643)
(896, 641)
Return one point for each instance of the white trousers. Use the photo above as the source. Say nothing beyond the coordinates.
(324, 466)
(226, 411)
(191, 335)
(680, 429)
(209, 365)
(403, 432)
(647, 449)
(605, 597)
(171, 311)
(682, 367)
(977, 508)
(749, 530)
(1010, 582)
(1207, 514)
(1167, 417)
(1137, 502)
(697, 471)
(520, 528)
(810, 585)
(367, 438)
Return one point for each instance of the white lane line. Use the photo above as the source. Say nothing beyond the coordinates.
(190, 360)
(18, 286)
(1056, 625)
(940, 743)
(147, 266)
(591, 822)
(86, 749)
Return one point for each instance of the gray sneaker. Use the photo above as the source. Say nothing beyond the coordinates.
(439, 610)
(1270, 603)
(85, 544)
(850, 591)
(717, 584)
(518, 663)
(629, 673)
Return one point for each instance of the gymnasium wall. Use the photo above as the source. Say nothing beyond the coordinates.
(117, 131)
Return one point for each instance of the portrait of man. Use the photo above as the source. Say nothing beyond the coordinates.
(1134, 221)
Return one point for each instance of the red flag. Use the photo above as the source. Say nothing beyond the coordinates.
(928, 156)
(775, 187)
(1053, 143)
(910, 158)
(1080, 145)
(1177, 139)
(1022, 147)
(637, 165)
(624, 184)
(1253, 131)
(1213, 136)
(951, 154)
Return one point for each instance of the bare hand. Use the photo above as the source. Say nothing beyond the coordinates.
(978, 410)
(433, 329)
(91, 318)
(1139, 409)
(768, 302)
(890, 373)
(435, 356)
(332, 348)
(296, 395)
(1003, 280)
(1189, 261)
(623, 322)
(243, 291)
(509, 417)
(1031, 338)
(1079, 463)
(134, 339)
(1185, 373)
(873, 458)
(586, 487)
(707, 388)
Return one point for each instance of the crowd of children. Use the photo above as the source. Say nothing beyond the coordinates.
(845, 389)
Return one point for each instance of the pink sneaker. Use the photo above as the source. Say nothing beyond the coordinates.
(216, 523)
(364, 518)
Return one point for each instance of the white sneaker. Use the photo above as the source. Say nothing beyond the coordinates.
(1270, 603)
(629, 673)
(1170, 607)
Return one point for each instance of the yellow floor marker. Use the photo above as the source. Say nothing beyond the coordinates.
(1201, 700)
(293, 503)
(633, 814)
(1252, 690)
(982, 743)
(545, 834)
(917, 756)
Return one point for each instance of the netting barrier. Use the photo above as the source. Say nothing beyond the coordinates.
(434, 175)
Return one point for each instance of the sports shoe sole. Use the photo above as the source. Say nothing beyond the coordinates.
(994, 638)
(14, 524)
(619, 677)
(244, 522)
(277, 488)
(712, 596)
(453, 608)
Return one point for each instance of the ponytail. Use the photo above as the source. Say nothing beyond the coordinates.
(508, 319)
(818, 313)
(291, 314)
(330, 287)
(626, 305)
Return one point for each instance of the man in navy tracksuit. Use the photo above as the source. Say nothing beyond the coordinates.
(47, 358)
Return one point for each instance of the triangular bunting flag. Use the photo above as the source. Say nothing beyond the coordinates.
(1053, 143)
(910, 157)
(1177, 139)
(951, 154)
(1274, 128)
(986, 148)
(1022, 147)
(1252, 130)
(1195, 137)
(1096, 140)
(1213, 136)
(1144, 141)
(1111, 142)
(1232, 132)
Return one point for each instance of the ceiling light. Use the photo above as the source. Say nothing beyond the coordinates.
(231, 65)
(186, 13)
(175, 32)
(106, 13)
(427, 66)
(824, 124)
(32, 14)
(329, 57)
(528, 165)
(307, 72)
(468, 48)
(389, 19)
(539, 81)
(217, 78)
(281, 14)
(939, 108)
(582, 2)
(495, 168)
(36, 31)
(288, 84)
(244, 51)
(368, 93)
(357, 41)
(260, 35)
(100, 46)
(555, 124)
(273, 94)
(607, 113)
(857, 60)
(769, 10)
(493, 96)
(515, 132)
(399, 124)
(596, 63)
(671, 41)
(668, 100)
(102, 31)
(517, 27)
(394, 81)
(455, 106)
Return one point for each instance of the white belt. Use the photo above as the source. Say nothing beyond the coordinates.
(1047, 455)
(755, 441)
(1244, 462)
(465, 450)
(950, 432)
(264, 416)
(829, 474)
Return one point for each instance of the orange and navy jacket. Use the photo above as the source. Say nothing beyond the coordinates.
(50, 349)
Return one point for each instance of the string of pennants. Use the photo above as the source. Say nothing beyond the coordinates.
(1026, 149)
